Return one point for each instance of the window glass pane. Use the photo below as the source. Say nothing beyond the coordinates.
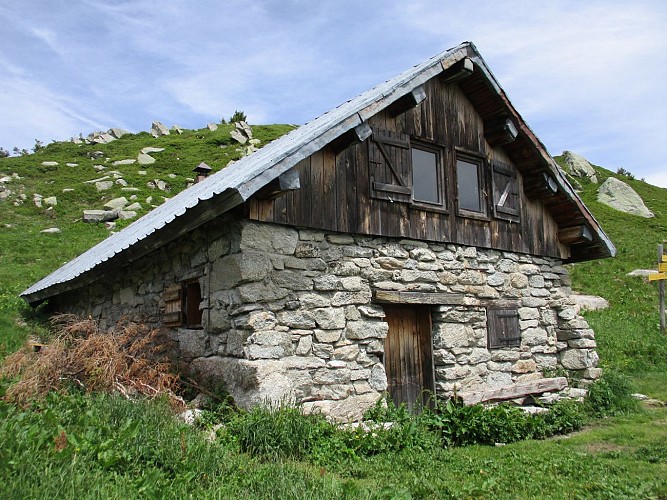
(467, 176)
(425, 176)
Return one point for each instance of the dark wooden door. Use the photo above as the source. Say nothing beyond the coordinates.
(408, 358)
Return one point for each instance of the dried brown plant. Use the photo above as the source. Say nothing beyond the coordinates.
(132, 359)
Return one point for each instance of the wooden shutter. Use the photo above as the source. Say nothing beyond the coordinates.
(506, 199)
(389, 157)
(503, 328)
(173, 306)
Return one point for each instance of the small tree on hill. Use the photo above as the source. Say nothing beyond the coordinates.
(3, 153)
(238, 116)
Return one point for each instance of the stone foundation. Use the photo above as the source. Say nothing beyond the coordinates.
(291, 314)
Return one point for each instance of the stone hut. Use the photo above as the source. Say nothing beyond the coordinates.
(409, 241)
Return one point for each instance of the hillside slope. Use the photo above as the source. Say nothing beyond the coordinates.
(67, 171)
(627, 333)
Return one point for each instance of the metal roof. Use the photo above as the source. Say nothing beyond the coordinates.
(236, 183)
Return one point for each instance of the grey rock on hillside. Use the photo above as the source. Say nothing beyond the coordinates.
(618, 195)
(579, 166)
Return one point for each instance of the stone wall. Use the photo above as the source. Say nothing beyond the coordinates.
(289, 314)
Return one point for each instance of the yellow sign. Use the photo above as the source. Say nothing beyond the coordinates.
(657, 276)
(664, 258)
(662, 267)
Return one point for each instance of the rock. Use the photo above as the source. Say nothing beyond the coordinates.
(99, 215)
(190, 416)
(158, 184)
(141, 172)
(121, 182)
(127, 214)
(37, 200)
(244, 128)
(101, 138)
(72, 164)
(94, 181)
(579, 166)
(116, 203)
(99, 168)
(117, 132)
(68, 190)
(127, 161)
(618, 195)
(238, 136)
(145, 159)
(103, 185)
(134, 207)
(643, 273)
(177, 129)
(590, 302)
(51, 230)
(49, 163)
(158, 129)
(212, 127)
(50, 201)
(96, 154)
(149, 150)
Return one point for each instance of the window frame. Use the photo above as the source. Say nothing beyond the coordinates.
(180, 301)
(482, 184)
(507, 318)
(438, 151)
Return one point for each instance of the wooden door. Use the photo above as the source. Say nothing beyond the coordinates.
(408, 358)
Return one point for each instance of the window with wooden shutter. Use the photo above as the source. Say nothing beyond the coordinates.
(506, 199)
(181, 305)
(503, 327)
(389, 157)
(173, 306)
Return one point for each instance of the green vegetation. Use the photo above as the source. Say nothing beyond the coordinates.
(100, 445)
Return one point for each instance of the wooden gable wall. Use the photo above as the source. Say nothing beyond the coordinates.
(337, 194)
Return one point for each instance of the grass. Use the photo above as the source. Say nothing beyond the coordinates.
(105, 446)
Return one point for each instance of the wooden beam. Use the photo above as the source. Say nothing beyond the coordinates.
(427, 298)
(500, 132)
(408, 101)
(287, 181)
(575, 234)
(518, 390)
(458, 70)
(356, 135)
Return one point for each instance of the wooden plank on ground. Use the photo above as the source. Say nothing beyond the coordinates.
(513, 391)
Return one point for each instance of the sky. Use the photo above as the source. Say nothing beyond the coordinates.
(587, 76)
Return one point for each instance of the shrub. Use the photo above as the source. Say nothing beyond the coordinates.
(277, 432)
(238, 116)
(610, 395)
(130, 360)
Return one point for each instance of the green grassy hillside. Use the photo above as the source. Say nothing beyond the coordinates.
(628, 333)
(27, 255)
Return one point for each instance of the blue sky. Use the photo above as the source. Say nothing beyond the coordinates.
(586, 76)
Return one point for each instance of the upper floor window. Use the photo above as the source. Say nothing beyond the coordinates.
(426, 184)
(469, 182)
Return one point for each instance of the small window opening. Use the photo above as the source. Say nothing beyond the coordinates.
(181, 305)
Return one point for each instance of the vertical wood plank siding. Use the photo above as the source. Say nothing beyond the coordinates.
(337, 193)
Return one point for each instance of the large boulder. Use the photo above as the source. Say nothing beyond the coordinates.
(579, 166)
(618, 195)
(158, 129)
